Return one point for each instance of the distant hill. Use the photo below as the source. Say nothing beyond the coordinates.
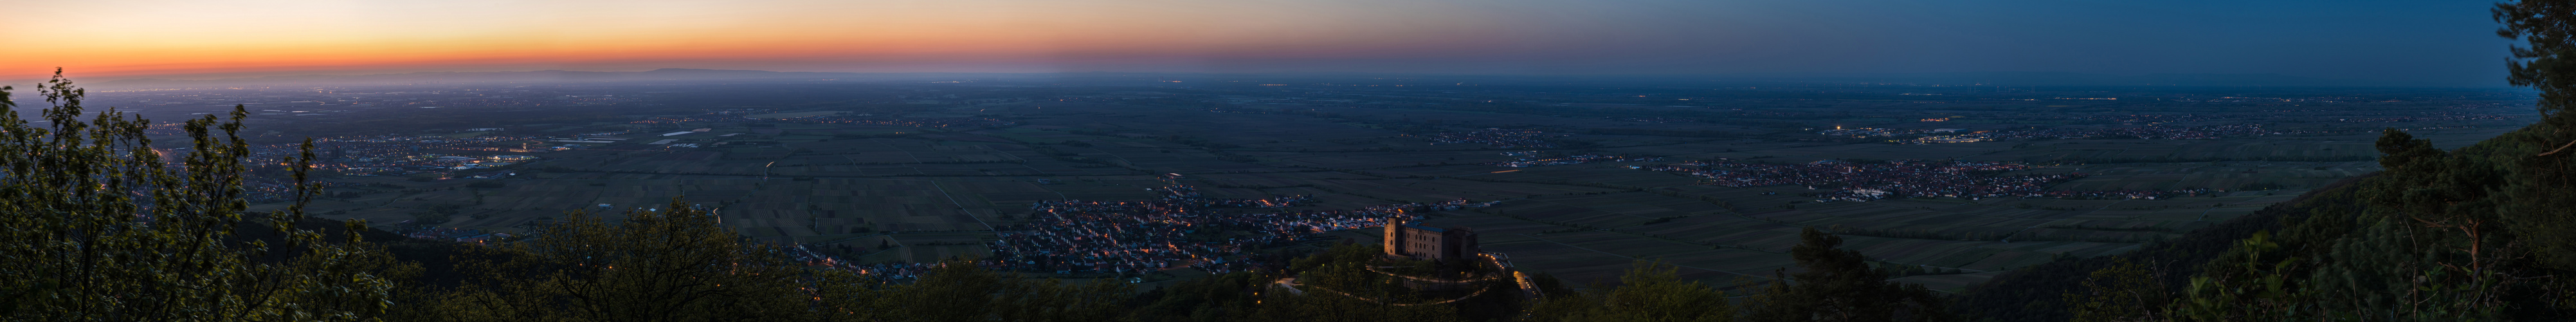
(2062, 79)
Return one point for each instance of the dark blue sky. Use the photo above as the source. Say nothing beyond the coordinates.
(2437, 43)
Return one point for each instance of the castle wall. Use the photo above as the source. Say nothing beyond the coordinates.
(1415, 241)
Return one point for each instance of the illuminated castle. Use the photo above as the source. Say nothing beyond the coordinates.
(1408, 240)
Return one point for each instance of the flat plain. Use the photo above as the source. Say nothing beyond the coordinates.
(926, 179)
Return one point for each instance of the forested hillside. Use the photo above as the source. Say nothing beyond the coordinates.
(2036, 293)
(2481, 233)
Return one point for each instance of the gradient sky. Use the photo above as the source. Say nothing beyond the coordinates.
(2440, 43)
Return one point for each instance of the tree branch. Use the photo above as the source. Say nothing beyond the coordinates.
(2561, 148)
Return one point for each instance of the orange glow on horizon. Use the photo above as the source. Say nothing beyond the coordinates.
(113, 39)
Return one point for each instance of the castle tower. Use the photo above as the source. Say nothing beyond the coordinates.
(1394, 239)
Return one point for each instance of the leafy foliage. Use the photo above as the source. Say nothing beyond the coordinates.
(101, 228)
(668, 264)
(1649, 292)
(2037, 293)
(2124, 291)
(2428, 243)
(2538, 182)
(2473, 234)
(1839, 285)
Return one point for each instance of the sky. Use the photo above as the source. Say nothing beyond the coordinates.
(2429, 43)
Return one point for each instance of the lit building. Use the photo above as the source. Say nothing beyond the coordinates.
(1421, 242)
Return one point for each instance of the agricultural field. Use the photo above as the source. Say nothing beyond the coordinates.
(918, 172)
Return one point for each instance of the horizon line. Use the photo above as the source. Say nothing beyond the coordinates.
(1790, 77)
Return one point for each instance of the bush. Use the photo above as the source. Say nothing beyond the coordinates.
(101, 229)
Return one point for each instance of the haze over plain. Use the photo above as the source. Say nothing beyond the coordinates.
(2401, 43)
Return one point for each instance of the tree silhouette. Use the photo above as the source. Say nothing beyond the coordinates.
(101, 228)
